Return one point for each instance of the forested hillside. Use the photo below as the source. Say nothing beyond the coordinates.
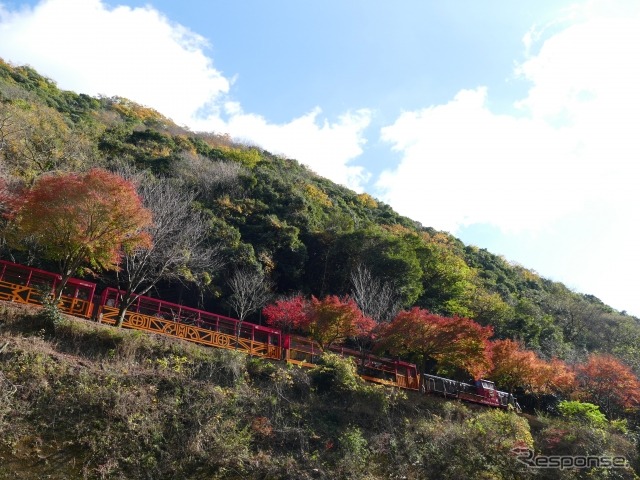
(112, 191)
(83, 400)
(302, 233)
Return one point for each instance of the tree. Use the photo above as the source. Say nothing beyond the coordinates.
(377, 299)
(287, 313)
(334, 319)
(606, 381)
(250, 291)
(178, 249)
(446, 278)
(514, 366)
(211, 179)
(83, 221)
(452, 342)
(555, 376)
(35, 139)
(389, 258)
(583, 412)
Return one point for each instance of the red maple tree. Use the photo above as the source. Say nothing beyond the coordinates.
(455, 343)
(328, 321)
(287, 313)
(606, 381)
(514, 366)
(334, 319)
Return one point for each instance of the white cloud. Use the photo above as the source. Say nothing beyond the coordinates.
(131, 52)
(138, 53)
(575, 142)
(472, 166)
(562, 173)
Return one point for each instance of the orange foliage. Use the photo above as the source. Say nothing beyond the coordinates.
(514, 366)
(328, 321)
(555, 376)
(81, 219)
(453, 342)
(606, 381)
(335, 319)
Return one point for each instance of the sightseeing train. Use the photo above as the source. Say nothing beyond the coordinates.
(22, 284)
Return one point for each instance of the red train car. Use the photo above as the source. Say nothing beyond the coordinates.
(306, 352)
(199, 326)
(483, 392)
(22, 284)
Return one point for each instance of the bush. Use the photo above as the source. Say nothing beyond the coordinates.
(50, 314)
(583, 412)
(335, 374)
(354, 448)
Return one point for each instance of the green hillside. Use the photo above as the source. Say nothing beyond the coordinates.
(81, 400)
(306, 233)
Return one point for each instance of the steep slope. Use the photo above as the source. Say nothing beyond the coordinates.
(305, 232)
(82, 400)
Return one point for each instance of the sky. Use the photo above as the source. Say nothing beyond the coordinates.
(512, 125)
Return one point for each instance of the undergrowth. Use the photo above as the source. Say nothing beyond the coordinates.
(82, 400)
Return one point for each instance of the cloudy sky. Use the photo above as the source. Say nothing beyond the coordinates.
(513, 125)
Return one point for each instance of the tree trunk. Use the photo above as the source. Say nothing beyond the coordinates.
(125, 303)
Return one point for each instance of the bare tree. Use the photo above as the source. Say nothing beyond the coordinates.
(6, 127)
(212, 178)
(250, 291)
(179, 249)
(375, 298)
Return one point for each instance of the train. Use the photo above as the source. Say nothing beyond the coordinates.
(23, 284)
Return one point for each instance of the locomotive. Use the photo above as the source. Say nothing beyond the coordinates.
(22, 284)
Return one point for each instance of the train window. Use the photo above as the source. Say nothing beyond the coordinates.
(83, 294)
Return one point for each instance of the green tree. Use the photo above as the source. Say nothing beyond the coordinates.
(446, 278)
(583, 412)
(390, 259)
(35, 139)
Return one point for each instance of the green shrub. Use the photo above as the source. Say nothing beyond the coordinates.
(334, 374)
(50, 314)
(354, 449)
(583, 412)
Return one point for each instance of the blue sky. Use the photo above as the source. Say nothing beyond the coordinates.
(513, 125)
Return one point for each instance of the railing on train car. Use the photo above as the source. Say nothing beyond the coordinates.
(199, 326)
(22, 284)
(440, 385)
(306, 352)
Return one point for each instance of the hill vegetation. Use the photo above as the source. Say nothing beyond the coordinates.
(307, 234)
(234, 224)
(83, 400)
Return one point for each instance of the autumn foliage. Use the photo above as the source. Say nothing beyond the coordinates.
(334, 319)
(287, 313)
(80, 220)
(452, 342)
(604, 380)
(328, 321)
(514, 366)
